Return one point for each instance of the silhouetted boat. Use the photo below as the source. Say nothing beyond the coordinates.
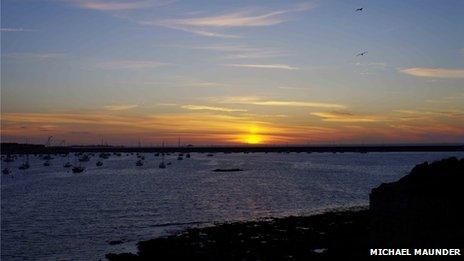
(78, 169)
(187, 156)
(47, 157)
(67, 165)
(162, 165)
(104, 155)
(46, 163)
(6, 171)
(210, 155)
(84, 158)
(180, 157)
(139, 163)
(25, 165)
(9, 158)
(99, 164)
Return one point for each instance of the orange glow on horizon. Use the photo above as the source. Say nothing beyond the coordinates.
(253, 139)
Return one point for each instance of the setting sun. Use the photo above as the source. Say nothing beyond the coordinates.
(253, 139)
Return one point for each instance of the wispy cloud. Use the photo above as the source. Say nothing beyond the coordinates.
(299, 104)
(434, 72)
(211, 108)
(292, 88)
(238, 19)
(35, 56)
(264, 66)
(205, 84)
(111, 5)
(249, 18)
(130, 65)
(408, 115)
(196, 31)
(231, 51)
(11, 29)
(257, 101)
(225, 48)
(166, 104)
(120, 107)
(342, 116)
(448, 99)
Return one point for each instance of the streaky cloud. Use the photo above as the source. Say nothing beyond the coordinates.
(35, 56)
(342, 116)
(264, 66)
(257, 101)
(247, 18)
(106, 5)
(238, 19)
(121, 107)
(196, 31)
(211, 108)
(130, 65)
(11, 29)
(232, 51)
(434, 72)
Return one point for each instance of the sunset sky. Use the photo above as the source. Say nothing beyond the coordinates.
(232, 72)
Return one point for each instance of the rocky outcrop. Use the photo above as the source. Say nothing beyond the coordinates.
(423, 209)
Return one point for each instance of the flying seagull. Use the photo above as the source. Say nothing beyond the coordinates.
(359, 9)
(361, 54)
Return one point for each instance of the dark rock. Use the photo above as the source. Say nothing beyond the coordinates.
(121, 257)
(227, 170)
(115, 242)
(422, 209)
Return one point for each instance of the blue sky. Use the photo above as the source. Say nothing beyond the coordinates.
(233, 71)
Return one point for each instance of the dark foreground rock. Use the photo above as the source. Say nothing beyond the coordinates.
(292, 238)
(422, 210)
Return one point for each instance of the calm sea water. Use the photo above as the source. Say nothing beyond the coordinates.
(49, 213)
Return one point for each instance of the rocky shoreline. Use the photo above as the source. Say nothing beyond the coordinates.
(420, 210)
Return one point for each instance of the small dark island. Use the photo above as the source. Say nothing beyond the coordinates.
(228, 170)
(422, 210)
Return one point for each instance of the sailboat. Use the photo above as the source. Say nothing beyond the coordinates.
(6, 171)
(79, 168)
(84, 158)
(67, 164)
(26, 164)
(9, 158)
(162, 165)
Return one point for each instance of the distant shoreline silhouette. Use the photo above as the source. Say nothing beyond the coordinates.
(15, 148)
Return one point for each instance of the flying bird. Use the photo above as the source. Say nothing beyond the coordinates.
(359, 9)
(361, 54)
